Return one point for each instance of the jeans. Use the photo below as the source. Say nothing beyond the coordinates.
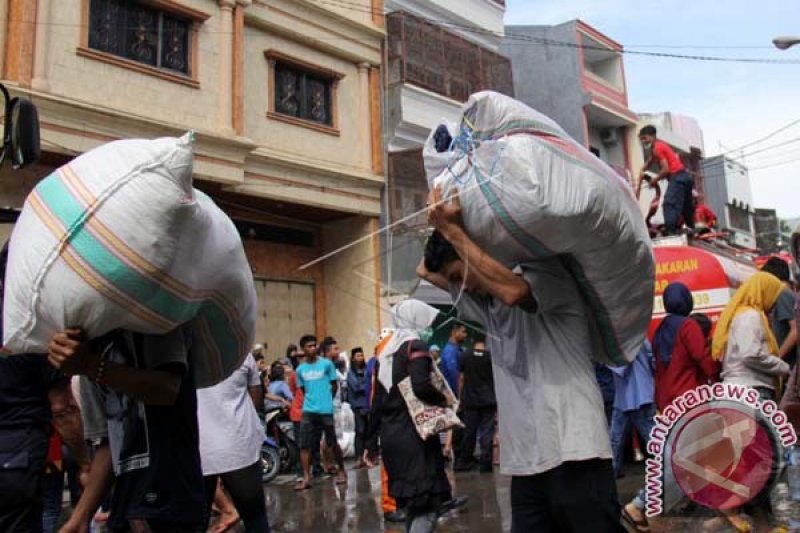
(22, 459)
(678, 201)
(52, 493)
(478, 422)
(361, 431)
(578, 496)
(247, 493)
(621, 421)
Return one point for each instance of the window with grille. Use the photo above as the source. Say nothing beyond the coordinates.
(303, 94)
(141, 33)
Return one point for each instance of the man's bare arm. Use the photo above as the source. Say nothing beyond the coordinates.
(101, 476)
(496, 278)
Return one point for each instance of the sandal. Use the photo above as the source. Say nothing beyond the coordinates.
(341, 478)
(637, 525)
(301, 486)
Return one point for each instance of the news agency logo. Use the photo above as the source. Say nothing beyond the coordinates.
(719, 445)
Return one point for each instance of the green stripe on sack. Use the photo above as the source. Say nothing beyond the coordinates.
(606, 330)
(145, 291)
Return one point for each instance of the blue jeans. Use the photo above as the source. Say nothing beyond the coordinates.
(621, 422)
(52, 493)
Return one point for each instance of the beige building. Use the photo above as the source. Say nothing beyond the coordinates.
(285, 97)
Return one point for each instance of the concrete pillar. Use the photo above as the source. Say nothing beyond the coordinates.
(237, 95)
(364, 120)
(225, 97)
(39, 81)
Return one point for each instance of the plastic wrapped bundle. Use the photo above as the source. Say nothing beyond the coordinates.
(529, 192)
(118, 238)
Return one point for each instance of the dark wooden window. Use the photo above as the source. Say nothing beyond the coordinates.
(141, 33)
(425, 55)
(302, 94)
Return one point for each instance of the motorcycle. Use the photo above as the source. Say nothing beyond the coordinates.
(281, 438)
(270, 460)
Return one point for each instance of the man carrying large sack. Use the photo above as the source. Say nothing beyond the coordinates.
(554, 436)
(141, 390)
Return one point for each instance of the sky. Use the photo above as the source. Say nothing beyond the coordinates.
(735, 103)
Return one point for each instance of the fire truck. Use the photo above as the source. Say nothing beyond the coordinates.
(712, 271)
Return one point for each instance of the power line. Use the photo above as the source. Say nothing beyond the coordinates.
(781, 163)
(344, 4)
(768, 136)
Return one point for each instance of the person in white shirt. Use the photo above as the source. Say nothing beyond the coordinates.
(744, 340)
(553, 432)
(230, 442)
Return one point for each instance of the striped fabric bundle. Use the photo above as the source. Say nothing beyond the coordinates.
(530, 192)
(118, 238)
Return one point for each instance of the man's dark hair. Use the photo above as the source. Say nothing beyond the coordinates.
(438, 253)
(703, 321)
(258, 357)
(327, 342)
(305, 339)
(778, 268)
(290, 350)
(648, 130)
(356, 350)
(458, 326)
(277, 372)
(479, 336)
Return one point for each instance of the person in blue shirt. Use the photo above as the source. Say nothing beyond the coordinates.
(451, 355)
(633, 402)
(279, 395)
(317, 379)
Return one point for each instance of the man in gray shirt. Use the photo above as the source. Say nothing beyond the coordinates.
(554, 438)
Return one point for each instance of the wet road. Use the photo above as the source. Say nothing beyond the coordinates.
(356, 507)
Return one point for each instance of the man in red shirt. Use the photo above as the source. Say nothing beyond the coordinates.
(705, 219)
(678, 199)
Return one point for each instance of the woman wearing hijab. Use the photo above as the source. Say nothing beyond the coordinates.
(416, 468)
(744, 341)
(682, 364)
(679, 346)
(747, 347)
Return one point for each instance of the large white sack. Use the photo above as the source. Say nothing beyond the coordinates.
(529, 192)
(118, 238)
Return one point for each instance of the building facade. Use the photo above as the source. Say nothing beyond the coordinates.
(729, 195)
(285, 99)
(439, 53)
(576, 75)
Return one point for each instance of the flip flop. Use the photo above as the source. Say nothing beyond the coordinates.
(637, 525)
(341, 478)
(301, 486)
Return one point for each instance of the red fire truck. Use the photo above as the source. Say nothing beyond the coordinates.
(712, 272)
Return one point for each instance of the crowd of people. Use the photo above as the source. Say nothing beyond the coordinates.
(153, 452)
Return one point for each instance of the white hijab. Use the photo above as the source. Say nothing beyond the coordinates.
(409, 317)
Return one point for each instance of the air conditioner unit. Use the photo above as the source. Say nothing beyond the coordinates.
(610, 136)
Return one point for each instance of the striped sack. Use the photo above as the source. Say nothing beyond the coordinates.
(118, 238)
(529, 192)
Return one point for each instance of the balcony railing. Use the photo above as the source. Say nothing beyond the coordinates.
(426, 55)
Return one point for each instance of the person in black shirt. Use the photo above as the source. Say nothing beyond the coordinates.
(33, 395)
(142, 389)
(480, 407)
(34, 398)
